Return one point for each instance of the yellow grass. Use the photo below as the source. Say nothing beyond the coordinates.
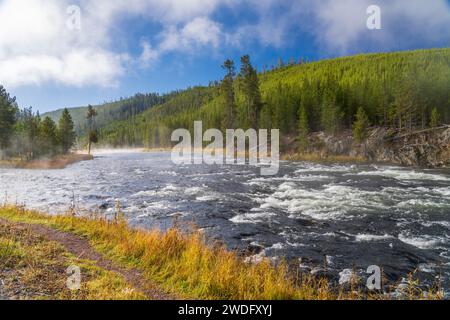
(34, 268)
(183, 262)
(57, 162)
(316, 157)
(186, 264)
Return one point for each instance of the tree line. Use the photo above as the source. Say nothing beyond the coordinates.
(401, 91)
(26, 135)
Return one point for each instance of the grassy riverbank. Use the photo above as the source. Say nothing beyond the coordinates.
(181, 264)
(57, 162)
(317, 158)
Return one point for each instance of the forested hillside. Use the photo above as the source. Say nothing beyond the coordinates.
(112, 111)
(403, 91)
(153, 127)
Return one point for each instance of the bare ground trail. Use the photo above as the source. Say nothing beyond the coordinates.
(82, 249)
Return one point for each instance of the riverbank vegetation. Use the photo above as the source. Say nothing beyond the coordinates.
(24, 135)
(188, 265)
(328, 159)
(56, 162)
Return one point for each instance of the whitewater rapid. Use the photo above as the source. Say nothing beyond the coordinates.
(351, 216)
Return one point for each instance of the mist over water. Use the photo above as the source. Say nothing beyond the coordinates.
(350, 216)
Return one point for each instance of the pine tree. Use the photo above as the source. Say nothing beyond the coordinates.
(8, 111)
(92, 133)
(303, 130)
(280, 63)
(66, 133)
(361, 125)
(48, 137)
(249, 78)
(26, 134)
(435, 119)
(331, 117)
(406, 104)
(227, 90)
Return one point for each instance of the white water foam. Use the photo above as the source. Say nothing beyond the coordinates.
(322, 168)
(332, 202)
(445, 224)
(148, 193)
(414, 203)
(166, 191)
(210, 197)
(372, 237)
(203, 194)
(252, 217)
(421, 242)
(404, 175)
(442, 191)
(195, 191)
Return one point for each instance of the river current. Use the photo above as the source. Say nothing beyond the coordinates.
(344, 216)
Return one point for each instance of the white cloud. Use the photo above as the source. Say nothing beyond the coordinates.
(149, 55)
(190, 38)
(78, 68)
(37, 48)
(167, 11)
(197, 33)
(340, 25)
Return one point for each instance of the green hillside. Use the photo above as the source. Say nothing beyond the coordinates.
(112, 111)
(400, 90)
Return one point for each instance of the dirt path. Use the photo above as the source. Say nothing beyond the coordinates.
(81, 248)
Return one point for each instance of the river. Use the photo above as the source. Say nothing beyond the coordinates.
(351, 216)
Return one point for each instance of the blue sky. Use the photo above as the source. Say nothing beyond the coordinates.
(61, 53)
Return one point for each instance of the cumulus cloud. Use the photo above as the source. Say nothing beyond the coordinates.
(340, 26)
(199, 32)
(37, 47)
(77, 68)
(149, 55)
(167, 11)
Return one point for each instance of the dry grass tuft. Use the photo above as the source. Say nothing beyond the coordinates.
(316, 157)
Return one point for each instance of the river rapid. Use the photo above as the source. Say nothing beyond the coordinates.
(347, 217)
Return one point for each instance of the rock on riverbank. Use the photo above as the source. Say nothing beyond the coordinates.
(424, 148)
